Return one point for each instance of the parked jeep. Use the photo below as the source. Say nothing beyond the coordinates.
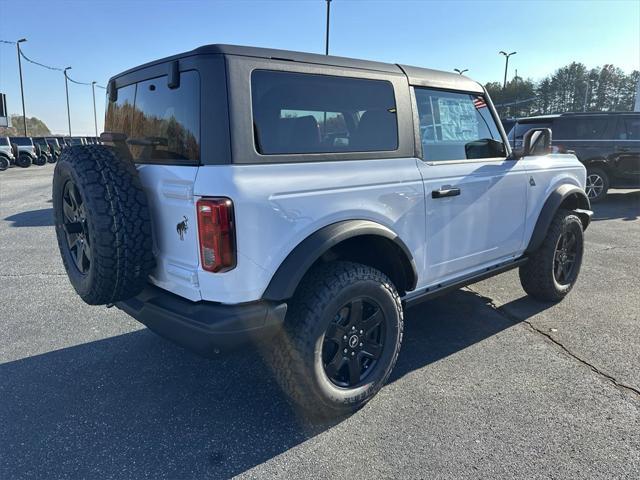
(43, 151)
(24, 151)
(54, 147)
(304, 202)
(6, 153)
(608, 144)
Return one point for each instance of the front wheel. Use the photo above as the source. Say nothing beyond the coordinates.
(24, 160)
(4, 163)
(553, 269)
(341, 338)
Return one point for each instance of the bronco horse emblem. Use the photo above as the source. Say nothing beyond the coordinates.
(182, 227)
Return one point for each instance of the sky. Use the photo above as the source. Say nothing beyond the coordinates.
(101, 38)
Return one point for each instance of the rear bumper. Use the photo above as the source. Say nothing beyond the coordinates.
(204, 327)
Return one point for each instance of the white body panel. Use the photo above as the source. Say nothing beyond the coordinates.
(277, 206)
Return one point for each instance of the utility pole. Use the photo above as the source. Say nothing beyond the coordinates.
(460, 72)
(95, 116)
(636, 107)
(506, 66)
(326, 37)
(66, 86)
(24, 116)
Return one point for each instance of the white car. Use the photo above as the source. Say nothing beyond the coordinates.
(304, 201)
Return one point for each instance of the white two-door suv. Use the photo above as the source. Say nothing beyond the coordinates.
(304, 201)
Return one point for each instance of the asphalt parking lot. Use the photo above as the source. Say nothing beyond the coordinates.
(489, 384)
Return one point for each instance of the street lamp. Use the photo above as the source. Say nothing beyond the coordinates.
(24, 116)
(95, 117)
(326, 38)
(66, 86)
(506, 66)
(460, 72)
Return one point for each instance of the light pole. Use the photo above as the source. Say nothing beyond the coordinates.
(24, 116)
(506, 66)
(66, 86)
(460, 72)
(326, 37)
(95, 116)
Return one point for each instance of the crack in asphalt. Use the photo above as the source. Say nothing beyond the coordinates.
(513, 318)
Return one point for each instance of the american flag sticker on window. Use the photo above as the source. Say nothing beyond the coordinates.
(478, 102)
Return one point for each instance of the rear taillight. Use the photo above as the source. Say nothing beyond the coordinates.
(216, 231)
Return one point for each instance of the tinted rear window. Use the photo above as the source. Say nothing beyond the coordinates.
(582, 128)
(4, 141)
(162, 125)
(296, 113)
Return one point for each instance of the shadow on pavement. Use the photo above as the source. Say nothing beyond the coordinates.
(32, 218)
(623, 205)
(135, 406)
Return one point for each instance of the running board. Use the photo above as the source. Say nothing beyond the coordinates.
(442, 288)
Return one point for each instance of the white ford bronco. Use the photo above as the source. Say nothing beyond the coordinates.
(304, 201)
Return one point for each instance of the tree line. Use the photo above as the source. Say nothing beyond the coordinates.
(35, 127)
(573, 88)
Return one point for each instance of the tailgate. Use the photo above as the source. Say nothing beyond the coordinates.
(169, 191)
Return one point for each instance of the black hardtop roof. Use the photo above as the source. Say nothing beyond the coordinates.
(416, 75)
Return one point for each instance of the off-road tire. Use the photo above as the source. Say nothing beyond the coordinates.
(593, 173)
(537, 275)
(23, 160)
(118, 226)
(40, 161)
(4, 163)
(296, 353)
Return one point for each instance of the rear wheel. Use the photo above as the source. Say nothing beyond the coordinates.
(341, 338)
(553, 269)
(597, 184)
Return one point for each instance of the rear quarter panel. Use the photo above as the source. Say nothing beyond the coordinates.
(279, 205)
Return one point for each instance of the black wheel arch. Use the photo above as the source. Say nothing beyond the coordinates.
(355, 240)
(567, 196)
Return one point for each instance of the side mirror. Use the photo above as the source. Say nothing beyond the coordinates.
(536, 141)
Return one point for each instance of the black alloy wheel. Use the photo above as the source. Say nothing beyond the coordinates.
(75, 227)
(564, 258)
(353, 342)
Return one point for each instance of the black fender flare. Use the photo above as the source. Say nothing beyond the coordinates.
(580, 205)
(286, 279)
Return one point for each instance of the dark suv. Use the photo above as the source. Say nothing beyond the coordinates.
(608, 144)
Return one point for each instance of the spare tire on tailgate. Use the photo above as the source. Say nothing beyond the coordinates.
(102, 223)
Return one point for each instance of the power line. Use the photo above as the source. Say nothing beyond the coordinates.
(7, 41)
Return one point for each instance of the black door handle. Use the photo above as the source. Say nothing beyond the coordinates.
(445, 192)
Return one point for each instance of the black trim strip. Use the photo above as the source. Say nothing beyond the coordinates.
(442, 288)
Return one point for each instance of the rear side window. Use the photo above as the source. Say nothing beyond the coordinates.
(4, 141)
(296, 113)
(630, 128)
(162, 125)
(581, 128)
(456, 126)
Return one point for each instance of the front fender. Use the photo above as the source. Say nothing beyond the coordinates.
(567, 196)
